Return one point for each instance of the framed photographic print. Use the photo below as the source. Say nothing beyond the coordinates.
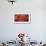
(22, 18)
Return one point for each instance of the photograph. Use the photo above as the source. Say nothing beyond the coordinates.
(22, 18)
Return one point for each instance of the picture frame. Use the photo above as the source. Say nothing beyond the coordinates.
(22, 19)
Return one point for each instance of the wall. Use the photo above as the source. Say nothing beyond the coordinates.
(9, 30)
